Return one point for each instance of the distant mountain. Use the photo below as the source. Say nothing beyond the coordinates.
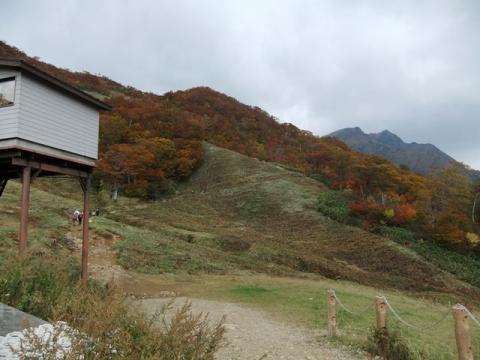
(421, 158)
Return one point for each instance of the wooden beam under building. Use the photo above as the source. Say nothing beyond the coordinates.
(49, 167)
(10, 154)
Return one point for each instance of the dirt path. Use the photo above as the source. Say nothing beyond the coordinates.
(252, 335)
(102, 258)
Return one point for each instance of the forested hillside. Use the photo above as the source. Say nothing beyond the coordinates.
(151, 142)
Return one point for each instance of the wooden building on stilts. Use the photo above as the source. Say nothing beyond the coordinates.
(47, 128)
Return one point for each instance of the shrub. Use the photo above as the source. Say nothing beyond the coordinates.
(389, 214)
(103, 323)
(473, 239)
(404, 214)
(397, 234)
(368, 210)
(389, 345)
(35, 283)
(105, 326)
(115, 323)
(334, 204)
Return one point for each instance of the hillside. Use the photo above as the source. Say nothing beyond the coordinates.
(421, 158)
(245, 230)
(236, 214)
(150, 144)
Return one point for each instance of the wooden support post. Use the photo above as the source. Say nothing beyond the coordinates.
(24, 205)
(381, 312)
(3, 184)
(85, 182)
(462, 332)
(332, 314)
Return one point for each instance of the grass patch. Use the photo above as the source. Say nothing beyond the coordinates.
(303, 301)
(464, 266)
(153, 252)
(250, 290)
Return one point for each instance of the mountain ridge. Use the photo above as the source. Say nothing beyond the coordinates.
(422, 158)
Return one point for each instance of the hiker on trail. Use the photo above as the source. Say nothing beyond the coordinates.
(95, 212)
(75, 217)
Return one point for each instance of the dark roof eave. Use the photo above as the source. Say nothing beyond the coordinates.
(53, 81)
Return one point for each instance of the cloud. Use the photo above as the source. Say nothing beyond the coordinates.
(408, 66)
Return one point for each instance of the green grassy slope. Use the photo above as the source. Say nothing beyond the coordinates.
(49, 217)
(235, 214)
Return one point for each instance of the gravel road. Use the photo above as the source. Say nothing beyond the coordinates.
(251, 335)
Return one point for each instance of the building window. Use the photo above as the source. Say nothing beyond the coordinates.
(7, 92)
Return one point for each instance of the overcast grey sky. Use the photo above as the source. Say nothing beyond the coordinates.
(412, 67)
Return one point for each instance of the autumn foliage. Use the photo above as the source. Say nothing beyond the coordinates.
(149, 142)
(159, 138)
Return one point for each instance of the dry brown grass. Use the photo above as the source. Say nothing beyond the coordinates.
(102, 322)
(272, 212)
(236, 214)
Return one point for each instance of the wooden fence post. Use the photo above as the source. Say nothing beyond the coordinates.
(381, 312)
(332, 313)
(462, 332)
(24, 207)
(86, 184)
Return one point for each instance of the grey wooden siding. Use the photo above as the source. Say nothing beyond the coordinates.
(9, 114)
(51, 118)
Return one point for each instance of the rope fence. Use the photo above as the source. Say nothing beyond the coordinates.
(359, 313)
(472, 317)
(429, 327)
(461, 316)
